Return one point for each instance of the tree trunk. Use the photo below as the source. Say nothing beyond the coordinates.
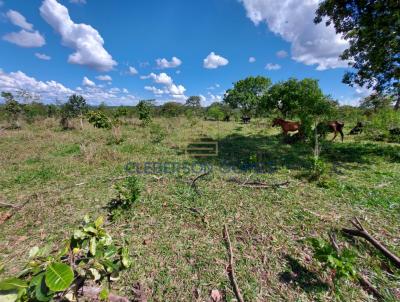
(81, 123)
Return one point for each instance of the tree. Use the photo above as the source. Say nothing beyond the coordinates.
(144, 109)
(299, 98)
(376, 101)
(246, 94)
(215, 111)
(172, 109)
(193, 102)
(12, 108)
(372, 30)
(76, 106)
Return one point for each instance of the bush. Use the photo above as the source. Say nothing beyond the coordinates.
(157, 133)
(99, 120)
(128, 193)
(379, 124)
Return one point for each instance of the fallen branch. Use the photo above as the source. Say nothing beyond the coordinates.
(230, 268)
(258, 184)
(360, 231)
(361, 279)
(194, 186)
(14, 209)
(92, 294)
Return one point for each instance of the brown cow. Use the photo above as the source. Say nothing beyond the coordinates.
(286, 126)
(332, 126)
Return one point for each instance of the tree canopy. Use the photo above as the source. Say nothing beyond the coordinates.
(246, 94)
(372, 30)
(193, 101)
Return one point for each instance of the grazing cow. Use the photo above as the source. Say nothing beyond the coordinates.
(358, 129)
(332, 126)
(246, 119)
(286, 126)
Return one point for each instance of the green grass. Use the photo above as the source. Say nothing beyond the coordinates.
(178, 251)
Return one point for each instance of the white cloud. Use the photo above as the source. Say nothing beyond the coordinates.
(272, 66)
(25, 38)
(281, 54)
(176, 91)
(87, 82)
(83, 38)
(161, 78)
(293, 21)
(213, 61)
(49, 90)
(132, 70)
(42, 56)
(105, 77)
(19, 20)
(154, 90)
(125, 90)
(252, 59)
(164, 63)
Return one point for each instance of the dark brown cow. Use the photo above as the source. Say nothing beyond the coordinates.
(331, 126)
(287, 126)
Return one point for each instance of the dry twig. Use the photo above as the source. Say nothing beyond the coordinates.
(360, 231)
(230, 268)
(258, 184)
(194, 185)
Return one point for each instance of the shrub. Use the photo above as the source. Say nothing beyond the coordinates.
(89, 254)
(379, 124)
(144, 109)
(157, 133)
(13, 110)
(99, 120)
(128, 193)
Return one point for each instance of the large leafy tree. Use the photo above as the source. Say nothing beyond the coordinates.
(75, 107)
(376, 101)
(372, 29)
(299, 98)
(193, 102)
(246, 94)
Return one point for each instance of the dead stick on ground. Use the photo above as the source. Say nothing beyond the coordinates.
(92, 293)
(362, 232)
(361, 279)
(258, 184)
(194, 186)
(231, 270)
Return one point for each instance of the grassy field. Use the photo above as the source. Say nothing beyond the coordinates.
(179, 254)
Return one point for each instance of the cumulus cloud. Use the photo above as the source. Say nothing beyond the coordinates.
(252, 59)
(42, 56)
(19, 20)
(50, 90)
(25, 38)
(310, 44)
(164, 63)
(105, 77)
(169, 87)
(272, 66)
(83, 38)
(132, 70)
(87, 82)
(281, 54)
(213, 61)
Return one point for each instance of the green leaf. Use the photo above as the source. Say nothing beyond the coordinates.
(13, 283)
(99, 221)
(59, 276)
(90, 229)
(126, 261)
(92, 246)
(78, 234)
(104, 294)
(33, 252)
(42, 292)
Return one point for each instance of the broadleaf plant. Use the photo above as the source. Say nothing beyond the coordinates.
(90, 255)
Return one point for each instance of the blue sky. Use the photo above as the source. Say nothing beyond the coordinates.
(108, 50)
